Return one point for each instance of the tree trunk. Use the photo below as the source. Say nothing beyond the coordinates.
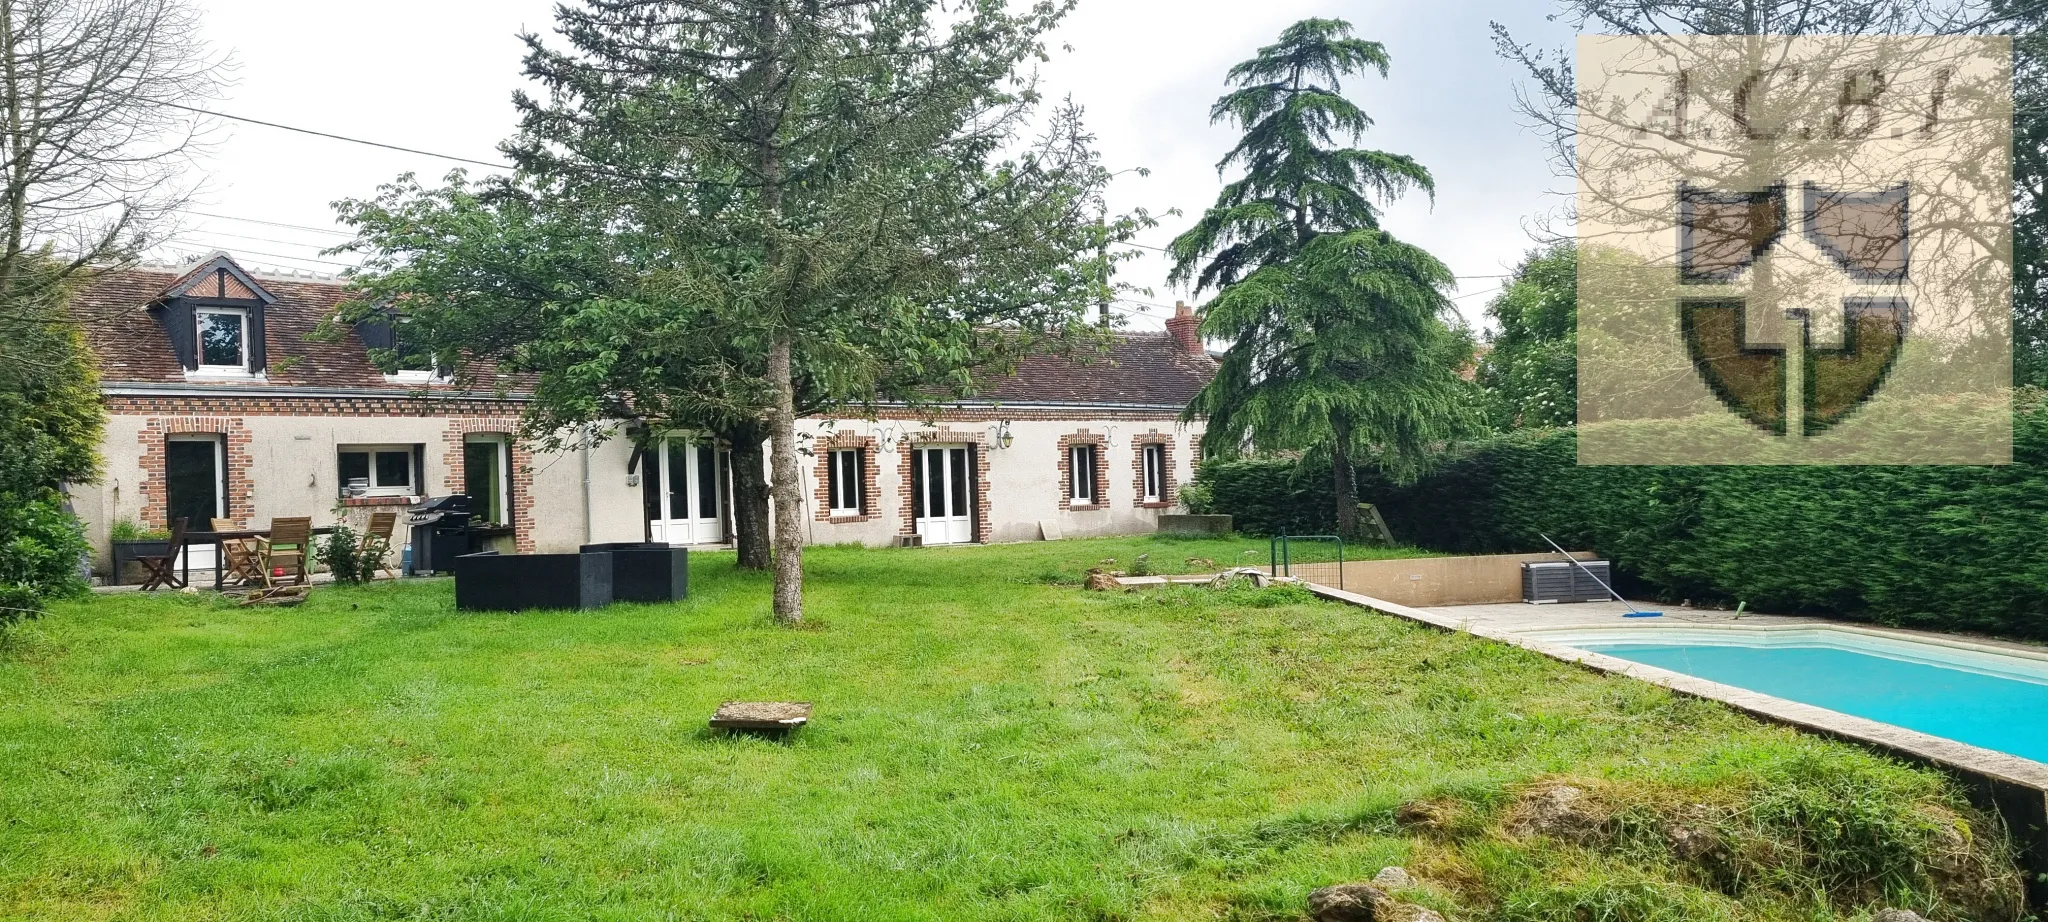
(1346, 481)
(750, 506)
(787, 486)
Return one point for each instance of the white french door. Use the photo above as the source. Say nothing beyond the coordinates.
(943, 494)
(688, 504)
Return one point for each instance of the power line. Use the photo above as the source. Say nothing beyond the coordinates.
(1475, 294)
(201, 243)
(299, 227)
(289, 243)
(336, 137)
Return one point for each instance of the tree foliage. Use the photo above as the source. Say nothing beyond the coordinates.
(2030, 199)
(1530, 370)
(1290, 105)
(771, 207)
(50, 423)
(1340, 344)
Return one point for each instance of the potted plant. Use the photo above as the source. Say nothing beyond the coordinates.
(129, 541)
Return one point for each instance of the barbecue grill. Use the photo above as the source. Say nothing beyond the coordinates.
(440, 533)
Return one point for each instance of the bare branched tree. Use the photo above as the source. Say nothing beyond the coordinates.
(1549, 100)
(97, 125)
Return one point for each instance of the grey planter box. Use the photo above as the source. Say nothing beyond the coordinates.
(1195, 525)
(646, 572)
(124, 554)
(525, 582)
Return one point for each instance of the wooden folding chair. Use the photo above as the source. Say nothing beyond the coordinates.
(163, 569)
(238, 556)
(288, 547)
(376, 543)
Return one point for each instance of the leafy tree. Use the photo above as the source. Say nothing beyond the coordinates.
(50, 423)
(771, 199)
(1530, 372)
(1340, 344)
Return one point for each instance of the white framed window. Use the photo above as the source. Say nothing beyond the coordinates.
(1081, 475)
(223, 339)
(846, 471)
(378, 470)
(1155, 472)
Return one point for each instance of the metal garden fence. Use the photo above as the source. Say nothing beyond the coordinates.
(1317, 559)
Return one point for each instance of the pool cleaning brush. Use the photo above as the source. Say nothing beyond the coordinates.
(1633, 612)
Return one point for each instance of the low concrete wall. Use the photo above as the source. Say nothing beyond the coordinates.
(1426, 582)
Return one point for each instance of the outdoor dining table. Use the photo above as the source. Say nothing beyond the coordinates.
(220, 557)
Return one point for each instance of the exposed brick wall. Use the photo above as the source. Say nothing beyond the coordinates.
(1167, 485)
(241, 485)
(521, 475)
(983, 527)
(871, 463)
(1067, 444)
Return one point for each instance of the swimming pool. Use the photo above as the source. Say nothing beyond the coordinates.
(1970, 694)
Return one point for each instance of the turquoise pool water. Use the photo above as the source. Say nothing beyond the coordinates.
(2001, 712)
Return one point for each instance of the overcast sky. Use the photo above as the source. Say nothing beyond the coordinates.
(437, 75)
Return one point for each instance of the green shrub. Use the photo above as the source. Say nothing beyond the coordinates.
(1267, 497)
(127, 530)
(343, 555)
(1943, 547)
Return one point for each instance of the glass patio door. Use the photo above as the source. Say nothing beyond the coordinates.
(942, 493)
(688, 504)
(195, 482)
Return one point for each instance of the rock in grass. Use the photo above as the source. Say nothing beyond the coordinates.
(1897, 915)
(1364, 903)
(1393, 878)
(1099, 581)
(1350, 903)
(1425, 815)
(1560, 811)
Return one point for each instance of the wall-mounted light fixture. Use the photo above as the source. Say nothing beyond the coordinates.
(1002, 436)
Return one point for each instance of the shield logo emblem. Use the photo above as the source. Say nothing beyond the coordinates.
(1864, 234)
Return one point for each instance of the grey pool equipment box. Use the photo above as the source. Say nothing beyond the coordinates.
(1561, 581)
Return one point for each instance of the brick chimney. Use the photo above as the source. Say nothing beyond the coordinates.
(1186, 329)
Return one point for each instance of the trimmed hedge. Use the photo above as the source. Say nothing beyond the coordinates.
(1956, 548)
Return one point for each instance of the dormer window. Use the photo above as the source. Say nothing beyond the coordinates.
(213, 316)
(403, 361)
(223, 340)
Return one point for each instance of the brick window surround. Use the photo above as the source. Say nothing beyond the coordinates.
(1166, 484)
(1067, 445)
(871, 463)
(156, 499)
(982, 509)
(521, 475)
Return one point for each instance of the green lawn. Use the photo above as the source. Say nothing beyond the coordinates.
(990, 743)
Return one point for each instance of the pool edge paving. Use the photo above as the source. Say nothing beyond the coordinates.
(2017, 787)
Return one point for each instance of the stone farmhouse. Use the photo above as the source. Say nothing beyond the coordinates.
(221, 406)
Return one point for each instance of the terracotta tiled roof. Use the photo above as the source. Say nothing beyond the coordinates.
(1134, 369)
(133, 348)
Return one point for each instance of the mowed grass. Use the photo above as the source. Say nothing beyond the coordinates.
(990, 742)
